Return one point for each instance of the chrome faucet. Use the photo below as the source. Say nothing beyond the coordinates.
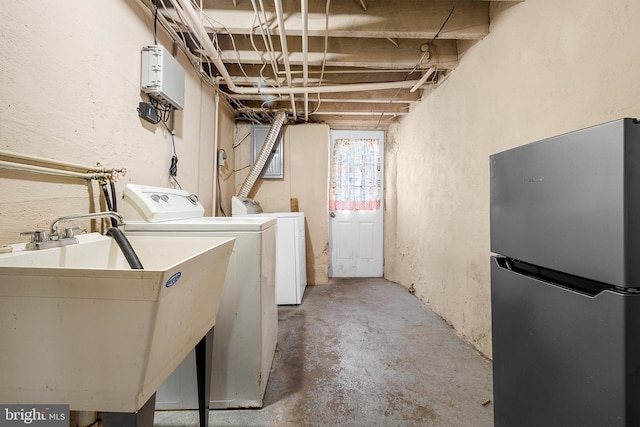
(40, 239)
(68, 232)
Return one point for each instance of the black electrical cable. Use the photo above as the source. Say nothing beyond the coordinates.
(108, 200)
(453, 6)
(241, 141)
(155, 24)
(173, 168)
(113, 196)
(220, 195)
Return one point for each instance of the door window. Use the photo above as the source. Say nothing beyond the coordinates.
(355, 175)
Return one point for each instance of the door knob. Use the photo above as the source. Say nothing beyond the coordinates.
(332, 214)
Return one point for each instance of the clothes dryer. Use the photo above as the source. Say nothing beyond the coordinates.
(291, 256)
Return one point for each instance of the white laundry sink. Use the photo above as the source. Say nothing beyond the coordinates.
(79, 327)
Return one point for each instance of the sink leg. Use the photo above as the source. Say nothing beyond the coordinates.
(142, 418)
(204, 352)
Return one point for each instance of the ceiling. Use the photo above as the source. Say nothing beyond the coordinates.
(347, 63)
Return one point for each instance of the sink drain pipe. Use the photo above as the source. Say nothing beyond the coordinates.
(125, 247)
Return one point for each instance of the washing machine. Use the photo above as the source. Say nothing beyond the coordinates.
(246, 328)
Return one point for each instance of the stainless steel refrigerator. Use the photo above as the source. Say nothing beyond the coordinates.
(565, 287)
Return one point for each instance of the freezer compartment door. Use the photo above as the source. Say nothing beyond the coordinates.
(570, 203)
(563, 357)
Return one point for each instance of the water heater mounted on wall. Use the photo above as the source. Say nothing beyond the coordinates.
(162, 77)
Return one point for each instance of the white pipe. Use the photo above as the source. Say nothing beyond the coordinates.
(50, 162)
(267, 44)
(200, 33)
(354, 87)
(216, 126)
(424, 78)
(206, 43)
(304, 8)
(51, 171)
(272, 51)
(285, 52)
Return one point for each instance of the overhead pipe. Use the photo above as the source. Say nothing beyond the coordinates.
(424, 78)
(304, 10)
(216, 142)
(266, 24)
(204, 41)
(50, 162)
(285, 52)
(56, 172)
(267, 43)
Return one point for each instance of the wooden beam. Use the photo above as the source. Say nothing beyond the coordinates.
(420, 19)
(333, 108)
(387, 96)
(334, 76)
(347, 52)
(355, 122)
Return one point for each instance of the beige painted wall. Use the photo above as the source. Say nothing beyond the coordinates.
(69, 89)
(547, 67)
(306, 167)
(226, 175)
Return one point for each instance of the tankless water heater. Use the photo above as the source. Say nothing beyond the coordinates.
(162, 77)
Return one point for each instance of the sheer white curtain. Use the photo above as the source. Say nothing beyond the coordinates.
(355, 175)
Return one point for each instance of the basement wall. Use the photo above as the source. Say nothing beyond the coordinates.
(226, 173)
(306, 169)
(69, 90)
(546, 68)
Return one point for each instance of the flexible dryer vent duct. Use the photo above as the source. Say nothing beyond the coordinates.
(265, 151)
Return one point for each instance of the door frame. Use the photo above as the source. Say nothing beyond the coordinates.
(356, 266)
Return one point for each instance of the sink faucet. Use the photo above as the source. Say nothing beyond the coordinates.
(68, 232)
(40, 239)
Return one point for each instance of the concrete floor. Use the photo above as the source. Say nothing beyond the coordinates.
(364, 352)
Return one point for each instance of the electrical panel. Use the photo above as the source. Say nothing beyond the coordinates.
(162, 77)
(273, 167)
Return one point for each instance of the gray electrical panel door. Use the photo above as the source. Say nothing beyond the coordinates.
(273, 168)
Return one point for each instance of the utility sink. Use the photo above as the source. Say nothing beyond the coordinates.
(79, 327)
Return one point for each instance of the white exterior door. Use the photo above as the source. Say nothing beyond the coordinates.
(356, 203)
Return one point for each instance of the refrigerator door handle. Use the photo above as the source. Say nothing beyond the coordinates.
(504, 262)
(543, 275)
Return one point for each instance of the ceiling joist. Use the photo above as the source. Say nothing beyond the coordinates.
(375, 42)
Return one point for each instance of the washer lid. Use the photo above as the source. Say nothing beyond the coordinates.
(280, 214)
(217, 224)
(154, 204)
